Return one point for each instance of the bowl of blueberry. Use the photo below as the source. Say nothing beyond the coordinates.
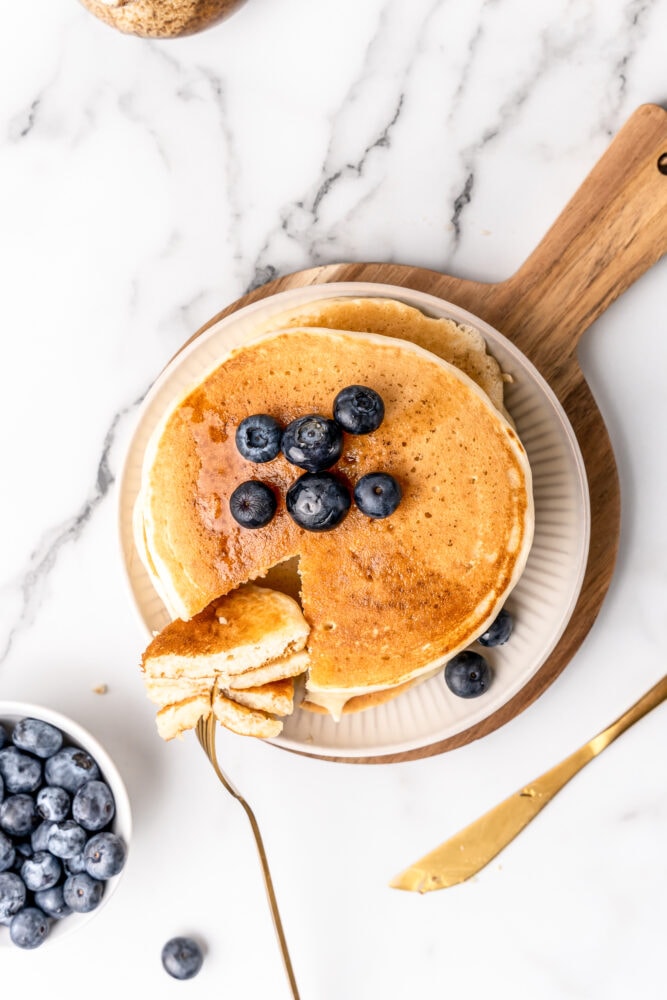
(65, 825)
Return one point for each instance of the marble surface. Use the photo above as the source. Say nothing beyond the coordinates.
(143, 186)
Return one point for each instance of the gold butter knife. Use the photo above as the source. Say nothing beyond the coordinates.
(467, 852)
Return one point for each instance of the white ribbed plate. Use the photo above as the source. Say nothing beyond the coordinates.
(541, 603)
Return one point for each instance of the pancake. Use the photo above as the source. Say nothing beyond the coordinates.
(387, 601)
(458, 343)
(252, 637)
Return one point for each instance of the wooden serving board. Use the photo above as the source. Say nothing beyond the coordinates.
(610, 233)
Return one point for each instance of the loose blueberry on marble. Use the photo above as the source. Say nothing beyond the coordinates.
(499, 631)
(82, 893)
(468, 674)
(66, 839)
(377, 495)
(21, 771)
(318, 501)
(29, 927)
(7, 852)
(258, 437)
(252, 504)
(52, 902)
(41, 871)
(69, 768)
(12, 894)
(17, 815)
(93, 805)
(358, 409)
(182, 957)
(37, 737)
(104, 855)
(313, 443)
(53, 803)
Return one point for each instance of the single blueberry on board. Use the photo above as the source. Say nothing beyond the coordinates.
(258, 437)
(12, 894)
(182, 957)
(53, 803)
(17, 815)
(82, 893)
(69, 768)
(499, 631)
(21, 771)
(318, 501)
(358, 409)
(93, 805)
(313, 443)
(29, 927)
(104, 855)
(37, 736)
(377, 495)
(52, 902)
(41, 871)
(252, 504)
(467, 674)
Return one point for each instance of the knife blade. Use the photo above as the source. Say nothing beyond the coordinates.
(470, 850)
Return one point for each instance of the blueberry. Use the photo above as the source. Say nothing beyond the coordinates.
(358, 409)
(66, 839)
(52, 902)
(17, 815)
(499, 631)
(29, 927)
(21, 771)
(82, 893)
(39, 838)
(7, 852)
(182, 957)
(318, 501)
(53, 803)
(70, 768)
(41, 871)
(377, 494)
(252, 504)
(467, 674)
(38, 737)
(12, 894)
(4, 736)
(313, 443)
(75, 864)
(104, 855)
(258, 437)
(93, 805)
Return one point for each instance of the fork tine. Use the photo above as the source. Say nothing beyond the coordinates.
(206, 735)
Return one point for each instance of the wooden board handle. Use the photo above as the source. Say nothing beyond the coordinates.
(611, 232)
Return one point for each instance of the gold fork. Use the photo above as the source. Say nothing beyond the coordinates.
(206, 735)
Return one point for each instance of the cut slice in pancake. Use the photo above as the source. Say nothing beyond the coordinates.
(244, 721)
(186, 667)
(175, 719)
(277, 698)
(387, 601)
(236, 633)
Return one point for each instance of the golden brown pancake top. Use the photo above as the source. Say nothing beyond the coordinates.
(386, 598)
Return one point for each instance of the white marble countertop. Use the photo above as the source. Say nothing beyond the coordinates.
(143, 186)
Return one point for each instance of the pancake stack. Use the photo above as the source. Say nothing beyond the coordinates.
(387, 602)
(237, 658)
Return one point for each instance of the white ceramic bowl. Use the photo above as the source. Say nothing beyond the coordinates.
(75, 735)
